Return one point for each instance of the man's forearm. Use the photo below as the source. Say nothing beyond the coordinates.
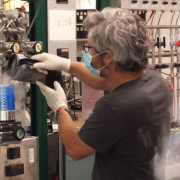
(79, 70)
(67, 130)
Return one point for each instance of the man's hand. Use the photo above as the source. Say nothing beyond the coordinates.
(50, 62)
(55, 98)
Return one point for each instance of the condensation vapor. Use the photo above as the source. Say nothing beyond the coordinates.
(166, 162)
(20, 97)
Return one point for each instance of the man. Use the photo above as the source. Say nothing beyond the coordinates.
(128, 128)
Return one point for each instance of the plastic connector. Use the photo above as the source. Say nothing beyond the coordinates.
(178, 43)
(176, 64)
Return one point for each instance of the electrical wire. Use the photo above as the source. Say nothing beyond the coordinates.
(177, 18)
(159, 22)
(37, 12)
(172, 17)
(92, 6)
(151, 15)
(137, 12)
(165, 73)
(160, 17)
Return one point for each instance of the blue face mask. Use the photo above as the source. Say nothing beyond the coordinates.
(88, 60)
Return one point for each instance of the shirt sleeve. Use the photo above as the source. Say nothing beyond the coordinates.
(102, 129)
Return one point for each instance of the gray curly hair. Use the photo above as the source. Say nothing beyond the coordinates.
(121, 32)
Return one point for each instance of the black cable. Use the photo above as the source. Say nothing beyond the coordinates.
(37, 12)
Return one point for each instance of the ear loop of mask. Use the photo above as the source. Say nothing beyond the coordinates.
(98, 55)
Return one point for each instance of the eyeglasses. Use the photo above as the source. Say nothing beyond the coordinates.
(86, 47)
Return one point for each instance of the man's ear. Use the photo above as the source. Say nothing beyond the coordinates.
(108, 57)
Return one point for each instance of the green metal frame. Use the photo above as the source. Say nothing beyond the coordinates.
(103, 3)
(38, 102)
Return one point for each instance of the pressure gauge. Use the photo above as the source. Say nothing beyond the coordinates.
(15, 48)
(37, 47)
(19, 133)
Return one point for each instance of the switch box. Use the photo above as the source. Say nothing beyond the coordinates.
(81, 15)
(13, 170)
(13, 153)
(81, 32)
(63, 52)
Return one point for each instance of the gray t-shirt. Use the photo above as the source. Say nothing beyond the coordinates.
(128, 127)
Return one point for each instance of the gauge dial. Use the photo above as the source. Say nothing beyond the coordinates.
(19, 133)
(37, 47)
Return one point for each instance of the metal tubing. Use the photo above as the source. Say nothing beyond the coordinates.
(165, 54)
(7, 115)
(13, 31)
(162, 27)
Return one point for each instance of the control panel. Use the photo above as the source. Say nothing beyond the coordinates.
(19, 160)
(13, 153)
(173, 5)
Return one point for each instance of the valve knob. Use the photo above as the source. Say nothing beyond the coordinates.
(178, 43)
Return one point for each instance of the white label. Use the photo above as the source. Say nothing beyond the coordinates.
(31, 155)
(62, 25)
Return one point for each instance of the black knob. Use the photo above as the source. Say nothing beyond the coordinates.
(145, 2)
(134, 1)
(164, 65)
(174, 3)
(157, 66)
(165, 2)
(176, 64)
(155, 2)
(164, 42)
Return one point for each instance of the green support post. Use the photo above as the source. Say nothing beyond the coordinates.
(38, 102)
(105, 3)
